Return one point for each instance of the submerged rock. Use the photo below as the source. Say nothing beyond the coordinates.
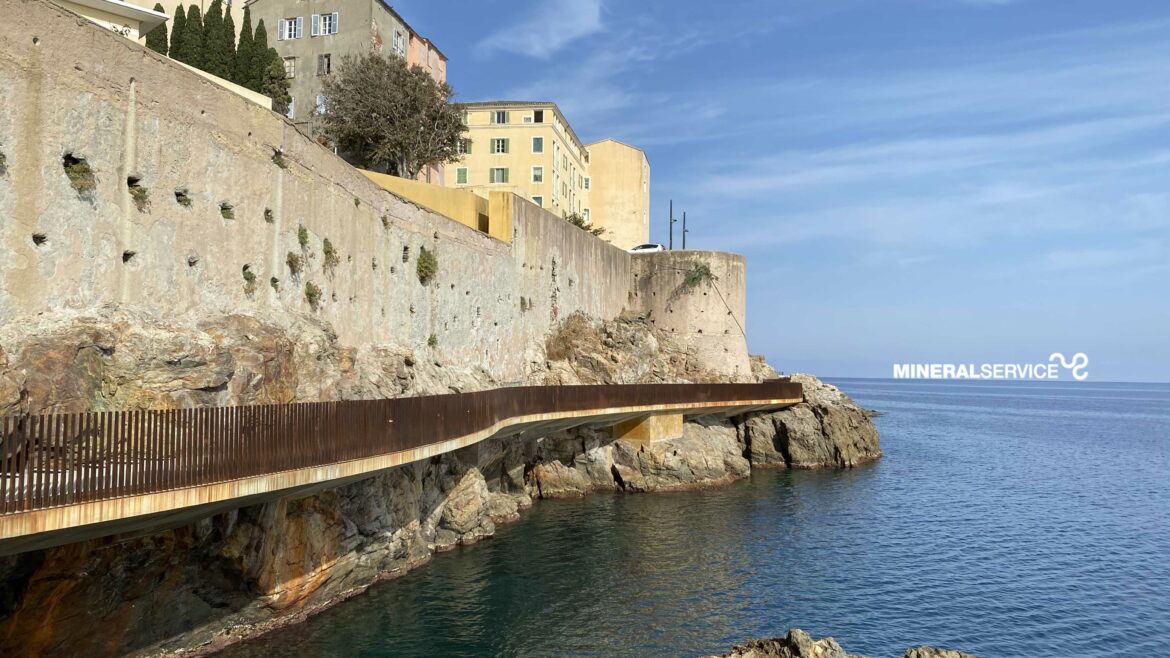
(798, 644)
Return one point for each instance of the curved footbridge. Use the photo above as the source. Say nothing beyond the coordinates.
(72, 477)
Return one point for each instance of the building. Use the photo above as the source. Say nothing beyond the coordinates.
(314, 35)
(530, 149)
(130, 20)
(233, 7)
(619, 193)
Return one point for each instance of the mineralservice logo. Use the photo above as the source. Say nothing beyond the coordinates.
(1051, 370)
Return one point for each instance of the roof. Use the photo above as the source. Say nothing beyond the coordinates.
(617, 141)
(148, 19)
(572, 133)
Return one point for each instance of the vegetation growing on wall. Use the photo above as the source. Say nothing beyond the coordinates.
(227, 211)
(268, 216)
(432, 341)
(577, 220)
(427, 266)
(3, 164)
(275, 283)
(563, 343)
(312, 295)
(249, 281)
(139, 194)
(279, 160)
(331, 257)
(390, 117)
(183, 197)
(303, 237)
(294, 263)
(698, 274)
(81, 176)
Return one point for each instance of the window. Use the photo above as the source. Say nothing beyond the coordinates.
(323, 24)
(538, 145)
(499, 175)
(499, 116)
(585, 215)
(528, 118)
(321, 104)
(461, 176)
(564, 162)
(538, 174)
(324, 64)
(499, 145)
(290, 28)
(586, 183)
(538, 200)
(538, 116)
(290, 67)
(399, 43)
(463, 147)
(292, 104)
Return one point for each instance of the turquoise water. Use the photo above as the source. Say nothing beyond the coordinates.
(1021, 519)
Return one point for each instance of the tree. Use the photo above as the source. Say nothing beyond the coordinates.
(193, 38)
(178, 33)
(577, 220)
(215, 60)
(228, 44)
(245, 73)
(259, 56)
(389, 117)
(156, 39)
(273, 82)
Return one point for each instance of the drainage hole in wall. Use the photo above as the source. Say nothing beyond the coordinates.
(40, 239)
(128, 255)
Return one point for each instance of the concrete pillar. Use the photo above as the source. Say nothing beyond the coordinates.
(650, 429)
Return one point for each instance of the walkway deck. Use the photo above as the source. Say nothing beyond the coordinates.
(70, 477)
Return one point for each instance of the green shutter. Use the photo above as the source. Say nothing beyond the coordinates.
(506, 145)
(507, 117)
(461, 176)
(505, 176)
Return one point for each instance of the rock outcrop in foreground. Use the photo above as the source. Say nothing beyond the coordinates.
(193, 589)
(798, 644)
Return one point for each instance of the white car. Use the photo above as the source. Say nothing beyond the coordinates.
(648, 248)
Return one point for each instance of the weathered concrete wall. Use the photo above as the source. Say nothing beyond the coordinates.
(71, 88)
(707, 313)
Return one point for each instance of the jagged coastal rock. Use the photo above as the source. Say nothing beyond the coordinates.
(798, 644)
(193, 589)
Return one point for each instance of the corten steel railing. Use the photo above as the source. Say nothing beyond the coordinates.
(66, 459)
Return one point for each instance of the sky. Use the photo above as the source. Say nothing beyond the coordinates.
(911, 181)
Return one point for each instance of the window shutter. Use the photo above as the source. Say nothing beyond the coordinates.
(505, 176)
(506, 145)
(280, 29)
(300, 27)
(467, 148)
(334, 26)
(314, 25)
(506, 117)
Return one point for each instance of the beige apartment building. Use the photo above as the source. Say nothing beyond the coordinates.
(314, 35)
(530, 149)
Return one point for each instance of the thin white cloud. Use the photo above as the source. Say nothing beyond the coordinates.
(549, 28)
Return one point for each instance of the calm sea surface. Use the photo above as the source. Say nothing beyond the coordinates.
(1021, 519)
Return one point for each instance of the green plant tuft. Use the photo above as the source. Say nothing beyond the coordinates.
(427, 266)
(698, 274)
(386, 222)
(294, 262)
(279, 160)
(432, 341)
(81, 176)
(227, 211)
(268, 216)
(312, 295)
(357, 202)
(249, 281)
(303, 236)
(3, 164)
(183, 197)
(139, 194)
(331, 257)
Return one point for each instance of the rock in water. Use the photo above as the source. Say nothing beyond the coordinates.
(799, 644)
(827, 429)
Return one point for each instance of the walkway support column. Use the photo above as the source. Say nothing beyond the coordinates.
(649, 429)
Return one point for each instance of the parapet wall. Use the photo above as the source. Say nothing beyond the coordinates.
(223, 217)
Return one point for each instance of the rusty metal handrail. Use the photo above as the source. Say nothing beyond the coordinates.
(53, 460)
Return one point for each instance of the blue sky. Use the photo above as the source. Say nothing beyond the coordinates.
(910, 180)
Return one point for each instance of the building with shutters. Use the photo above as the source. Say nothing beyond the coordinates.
(312, 36)
(530, 149)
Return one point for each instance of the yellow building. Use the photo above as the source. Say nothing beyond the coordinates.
(530, 149)
(128, 19)
(619, 192)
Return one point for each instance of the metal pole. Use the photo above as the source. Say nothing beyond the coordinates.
(670, 244)
(685, 229)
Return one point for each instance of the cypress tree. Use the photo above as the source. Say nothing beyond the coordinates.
(229, 43)
(215, 60)
(259, 57)
(244, 73)
(193, 41)
(156, 39)
(178, 33)
(273, 83)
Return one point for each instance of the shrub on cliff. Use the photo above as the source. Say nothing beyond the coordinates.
(390, 117)
(577, 220)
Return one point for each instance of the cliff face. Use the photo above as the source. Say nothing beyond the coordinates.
(240, 573)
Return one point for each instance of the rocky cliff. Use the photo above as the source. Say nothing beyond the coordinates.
(798, 644)
(237, 574)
